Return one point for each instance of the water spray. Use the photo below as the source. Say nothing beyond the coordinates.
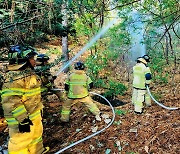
(88, 45)
(168, 108)
(94, 134)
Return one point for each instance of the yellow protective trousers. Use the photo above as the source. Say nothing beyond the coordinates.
(29, 142)
(138, 97)
(87, 101)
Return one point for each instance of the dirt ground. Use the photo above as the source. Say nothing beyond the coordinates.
(156, 131)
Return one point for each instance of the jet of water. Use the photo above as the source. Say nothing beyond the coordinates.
(89, 44)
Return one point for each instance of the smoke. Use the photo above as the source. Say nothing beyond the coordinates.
(136, 31)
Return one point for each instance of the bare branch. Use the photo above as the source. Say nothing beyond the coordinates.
(18, 23)
(38, 2)
(160, 16)
(167, 30)
(175, 32)
(120, 6)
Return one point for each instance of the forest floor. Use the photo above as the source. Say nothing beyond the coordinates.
(156, 131)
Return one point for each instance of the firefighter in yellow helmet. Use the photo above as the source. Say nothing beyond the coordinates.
(43, 71)
(141, 78)
(77, 86)
(21, 101)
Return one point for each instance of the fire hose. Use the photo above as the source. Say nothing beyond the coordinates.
(94, 134)
(87, 46)
(166, 107)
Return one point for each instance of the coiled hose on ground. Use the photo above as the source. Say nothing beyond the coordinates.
(168, 108)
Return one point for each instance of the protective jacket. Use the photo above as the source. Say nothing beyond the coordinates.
(77, 86)
(21, 96)
(78, 83)
(142, 76)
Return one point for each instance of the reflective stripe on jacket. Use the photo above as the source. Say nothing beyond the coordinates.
(78, 83)
(139, 72)
(21, 96)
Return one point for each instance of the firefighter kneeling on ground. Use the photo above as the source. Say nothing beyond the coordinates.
(142, 78)
(77, 86)
(21, 101)
(47, 79)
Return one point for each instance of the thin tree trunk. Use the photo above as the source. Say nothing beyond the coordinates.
(12, 11)
(65, 38)
(167, 49)
(50, 14)
(172, 50)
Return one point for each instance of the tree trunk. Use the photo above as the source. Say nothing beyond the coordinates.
(167, 49)
(65, 38)
(172, 50)
(50, 15)
(12, 11)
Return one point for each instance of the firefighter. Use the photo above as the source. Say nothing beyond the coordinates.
(77, 86)
(141, 78)
(21, 101)
(43, 71)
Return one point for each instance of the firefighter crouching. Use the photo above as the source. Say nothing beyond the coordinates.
(77, 86)
(47, 79)
(142, 77)
(21, 101)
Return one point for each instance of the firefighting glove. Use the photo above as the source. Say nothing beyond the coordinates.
(24, 126)
(51, 78)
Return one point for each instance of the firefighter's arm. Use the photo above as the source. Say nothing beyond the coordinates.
(66, 85)
(28, 89)
(13, 94)
(51, 78)
(90, 83)
(148, 76)
(19, 111)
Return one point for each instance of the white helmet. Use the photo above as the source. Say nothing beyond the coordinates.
(142, 60)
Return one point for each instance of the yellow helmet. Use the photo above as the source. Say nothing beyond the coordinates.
(142, 60)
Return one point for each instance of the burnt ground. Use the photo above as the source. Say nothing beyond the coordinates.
(157, 130)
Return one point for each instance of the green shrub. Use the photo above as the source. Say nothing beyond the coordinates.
(157, 66)
(114, 89)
